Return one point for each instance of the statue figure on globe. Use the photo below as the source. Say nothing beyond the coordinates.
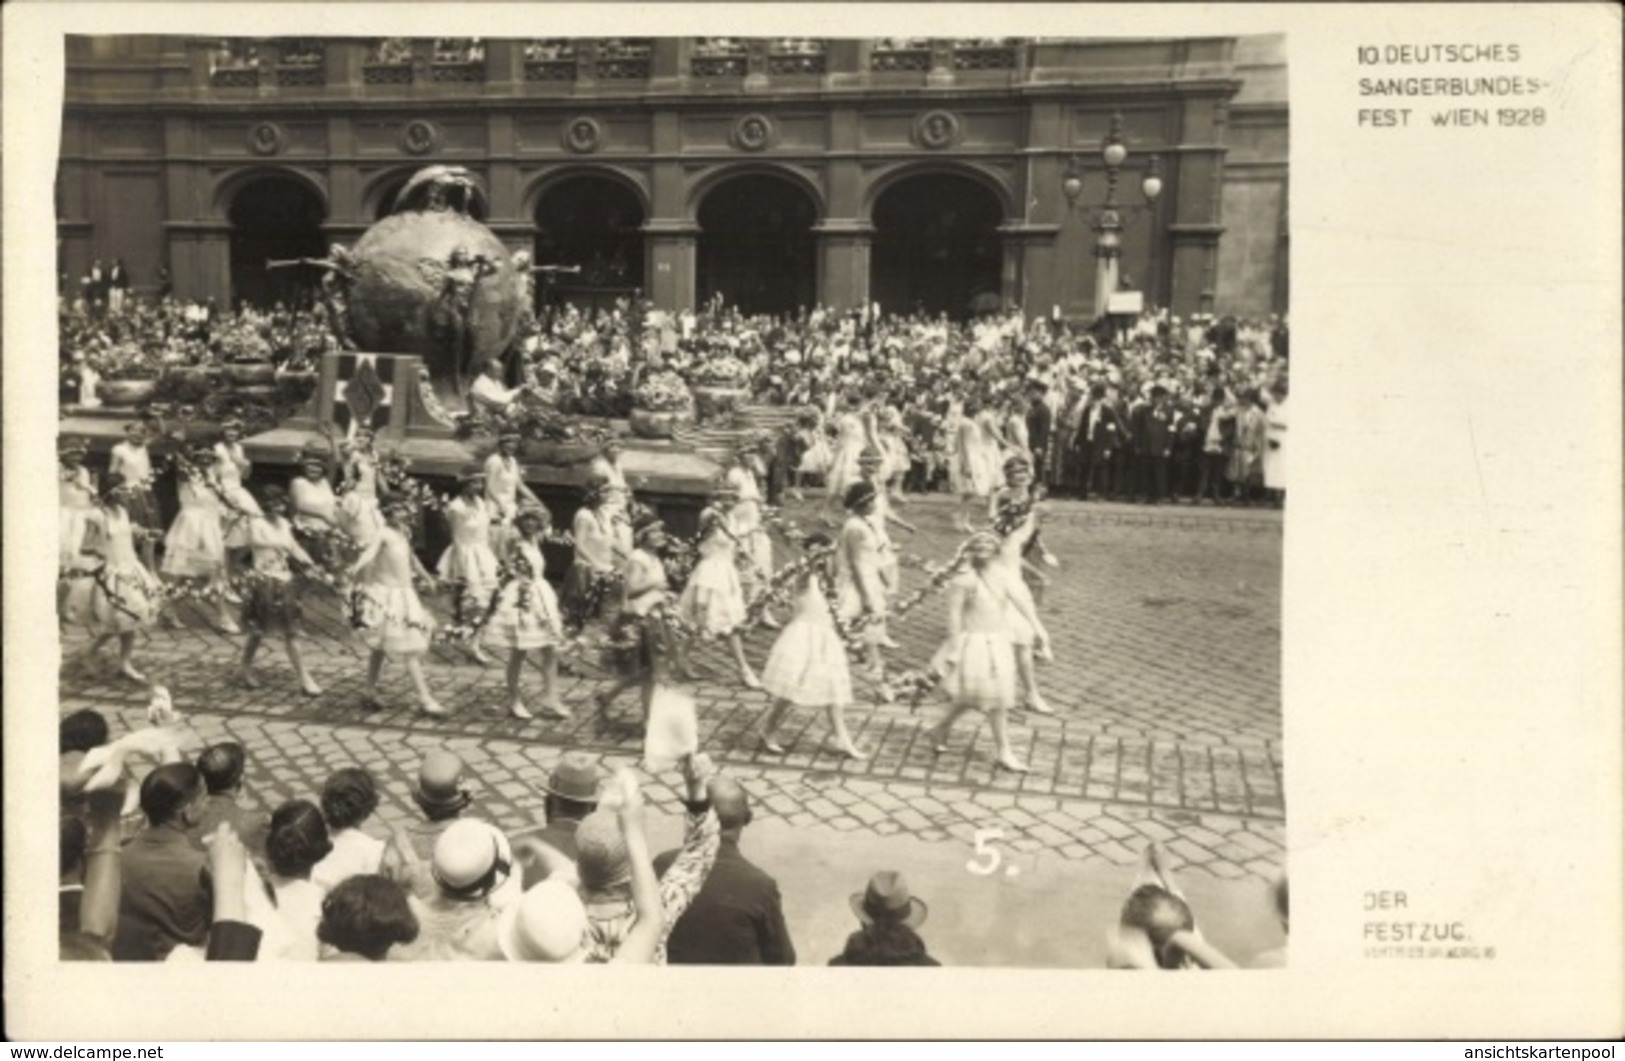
(431, 280)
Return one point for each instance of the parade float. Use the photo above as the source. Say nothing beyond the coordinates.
(414, 312)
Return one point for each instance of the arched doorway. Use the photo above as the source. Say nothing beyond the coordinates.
(936, 246)
(593, 227)
(756, 245)
(275, 219)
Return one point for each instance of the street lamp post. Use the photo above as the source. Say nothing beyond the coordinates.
(1108, 224)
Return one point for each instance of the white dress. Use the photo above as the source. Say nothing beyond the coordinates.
(713, 602)
(229, 470)
(359, 516)
(807, 665)
(469, 559)
(745, 520)
(527, 610)
(195, 546)
(849, 443)
(1022, 633)
(859, 561)
(384, 608)
(124, 596)
(76, 502)
(978, 664)
(815, 460)
(972, 465)
(1275, 425)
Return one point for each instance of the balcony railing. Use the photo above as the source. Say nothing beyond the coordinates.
(387, 73)
(235, 77)
(457, 73)
(302, 75)
(985, 57)
(900, 60)
(789, 63)
(550, 69)
(622, 68)
(719, 65)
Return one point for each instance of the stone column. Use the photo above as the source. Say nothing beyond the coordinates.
(843, 262)
(1195, 229)
(1029, 266)
(669, 253)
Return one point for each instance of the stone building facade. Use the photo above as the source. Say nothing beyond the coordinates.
(919, 173)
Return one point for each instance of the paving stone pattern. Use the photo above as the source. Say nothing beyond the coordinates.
(1166, 629)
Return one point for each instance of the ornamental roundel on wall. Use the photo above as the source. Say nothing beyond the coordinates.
(266, 138)
(937, 129)
(754, 132)
(419, 137)
(582, 135)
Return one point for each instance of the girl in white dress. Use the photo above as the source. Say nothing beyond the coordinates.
(807, 666)
(76, 500)
(385, 609)
(524, 614)
(882, 519)
(272, 604)
(713, 602)
(745, 521)
(977, 661)
(233, 468)
(860, 581)
(359, 516)
(505, 487)
(469, 565)
(854, 432)
(1015, 521)
(972, 467)
(120, 597)
(894, 448)
(643, 648)
(314, 505)
(815, 452)
(598, 556)
(195, 547)
(618, 495)
(133, 461)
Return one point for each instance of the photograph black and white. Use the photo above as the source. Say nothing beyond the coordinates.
(706, 500)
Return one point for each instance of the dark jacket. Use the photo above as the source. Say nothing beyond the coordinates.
(560, 835)
(165, 900)
(1152, 429)
(736, 919)
(891, 945)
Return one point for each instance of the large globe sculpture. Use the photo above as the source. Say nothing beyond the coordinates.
(431, 280)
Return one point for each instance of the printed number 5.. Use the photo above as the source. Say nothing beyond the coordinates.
(984, 850)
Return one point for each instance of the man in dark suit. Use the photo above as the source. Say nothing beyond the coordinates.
(1152, 428)
(1040, 418)
(165, 901)
(737, 917)
(572, 794)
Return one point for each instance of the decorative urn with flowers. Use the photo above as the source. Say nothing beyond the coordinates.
(660, 406)
(721, 387)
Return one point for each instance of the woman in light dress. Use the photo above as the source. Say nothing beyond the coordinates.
(1015, 520)
(977, 662)
(618, 497)
(76, 501)
(860, 579)
(384, 607)
(133, 460)
(314, 505)
(359, 516)
(894, 448)
(975, 461)
(524, 615)
(854, 432)
(745, 521)
(815, 450)
(807, 666)
(469, 566)
(120, 597)
(195, 547)
(233, 468)
(642, 646)
(599, 553)
(713, 602)
(271, 605)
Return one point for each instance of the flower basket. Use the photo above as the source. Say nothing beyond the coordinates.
(246, 373)
(649, 423)
(713, 400)
(123, 393)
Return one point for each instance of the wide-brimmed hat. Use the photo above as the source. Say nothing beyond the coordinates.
(547, 925)
(575, 778)
(438, 787)
(471, 859)
(887, 899)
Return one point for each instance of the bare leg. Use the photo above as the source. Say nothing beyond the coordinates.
(938, 734)
(648, 698)
(1001, 737)
(770, 725)
(87, 655)
(426, 700)
(307, 684)
(227, 597)
(746, 675)
(550, 684)
(843, 738)
(516, 706)
(1028, 676)
(245, 666)
(375, 667)
(126, 646)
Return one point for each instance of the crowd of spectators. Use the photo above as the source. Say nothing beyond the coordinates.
(163, 859)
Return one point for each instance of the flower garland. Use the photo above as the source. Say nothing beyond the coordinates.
(106, 581)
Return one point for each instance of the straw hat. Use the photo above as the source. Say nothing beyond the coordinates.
(887, 899)
(547, 925)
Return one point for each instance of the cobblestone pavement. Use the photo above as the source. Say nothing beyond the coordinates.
(1166, 630)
